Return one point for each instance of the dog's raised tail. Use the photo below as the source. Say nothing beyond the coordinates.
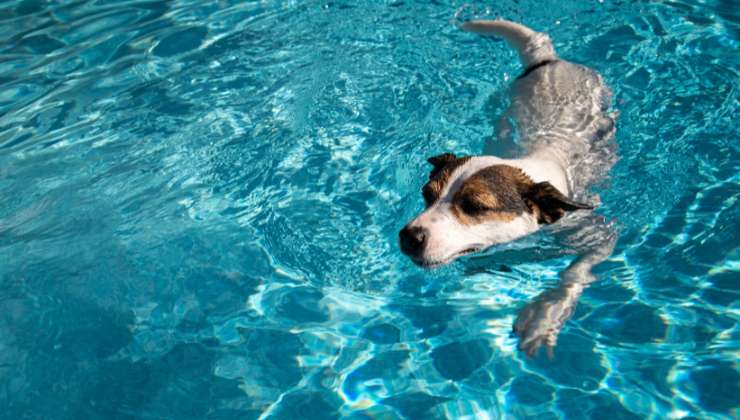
(533, 47)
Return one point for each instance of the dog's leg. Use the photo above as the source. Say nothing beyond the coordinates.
(504, 141)
(503, 144)
(540, 322)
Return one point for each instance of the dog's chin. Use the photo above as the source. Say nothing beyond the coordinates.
(429, 263)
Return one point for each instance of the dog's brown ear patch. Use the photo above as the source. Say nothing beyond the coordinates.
(439, 162)
(549, 204)
(444, 165)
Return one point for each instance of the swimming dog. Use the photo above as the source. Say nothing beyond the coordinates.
(559, 109)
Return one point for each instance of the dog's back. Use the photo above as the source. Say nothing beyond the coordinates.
(559, 108)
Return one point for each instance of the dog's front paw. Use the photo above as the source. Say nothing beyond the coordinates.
(540, 322)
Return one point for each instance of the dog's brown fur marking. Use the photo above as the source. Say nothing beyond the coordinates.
(493, 193)
(444, 165)
(496, 193)
(488, 216)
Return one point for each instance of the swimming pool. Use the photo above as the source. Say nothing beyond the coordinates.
(199, 206)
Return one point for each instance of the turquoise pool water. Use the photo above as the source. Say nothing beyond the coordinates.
(199, 204)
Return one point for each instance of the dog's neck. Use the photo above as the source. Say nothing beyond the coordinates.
(543, 166)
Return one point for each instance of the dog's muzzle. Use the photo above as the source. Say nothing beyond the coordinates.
(413, 240)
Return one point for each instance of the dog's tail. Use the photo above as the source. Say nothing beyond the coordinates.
(534, 48)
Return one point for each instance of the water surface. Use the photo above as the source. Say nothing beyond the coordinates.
(199, 204)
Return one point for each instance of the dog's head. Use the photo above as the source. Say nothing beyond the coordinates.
(473, 203)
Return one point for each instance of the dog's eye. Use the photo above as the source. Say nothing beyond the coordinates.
(472, 206)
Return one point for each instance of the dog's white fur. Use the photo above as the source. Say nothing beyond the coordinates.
(558, 108)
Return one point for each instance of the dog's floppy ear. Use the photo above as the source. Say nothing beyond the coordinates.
(549, 204)
(439, 162)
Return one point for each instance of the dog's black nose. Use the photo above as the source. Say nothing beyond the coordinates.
(412, 239)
